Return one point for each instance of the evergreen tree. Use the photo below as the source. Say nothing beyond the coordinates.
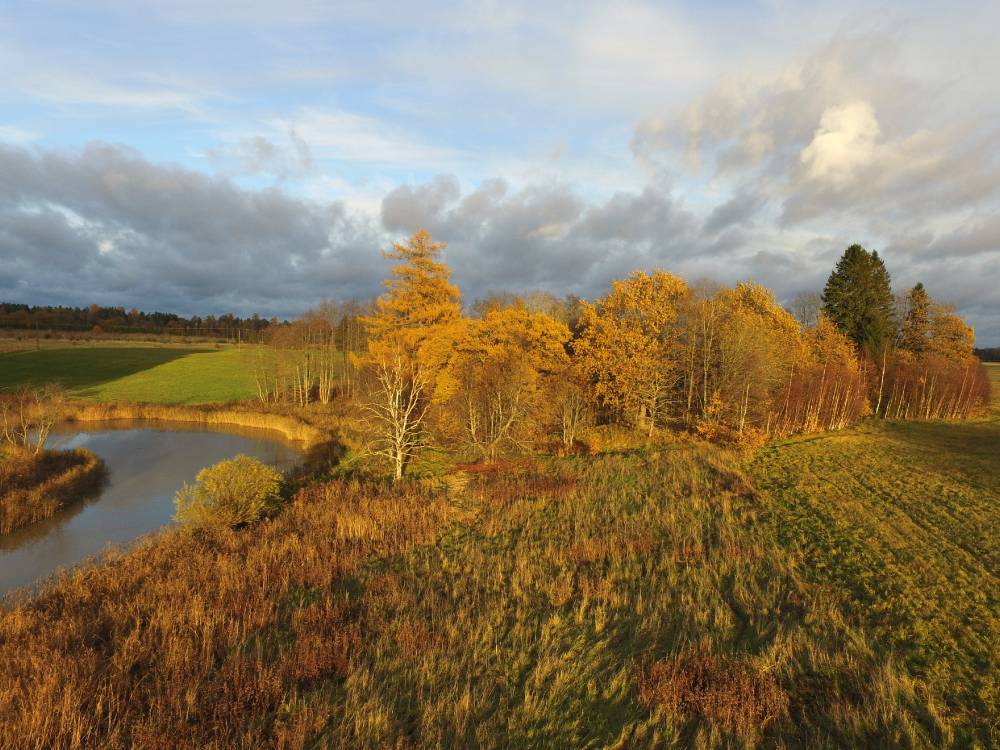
(858, 299)
(917, 323)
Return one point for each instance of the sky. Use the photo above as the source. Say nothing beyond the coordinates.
(254, 156)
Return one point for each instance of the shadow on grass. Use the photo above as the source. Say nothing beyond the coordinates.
(948, 442)
(82, 367)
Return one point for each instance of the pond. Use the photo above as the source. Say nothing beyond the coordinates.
(147, 462)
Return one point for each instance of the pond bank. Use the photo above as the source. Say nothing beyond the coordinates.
(290, 427)
(34, 487)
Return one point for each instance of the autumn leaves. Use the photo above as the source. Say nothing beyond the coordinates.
(728, 363)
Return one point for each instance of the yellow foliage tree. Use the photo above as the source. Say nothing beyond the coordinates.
(420, 297)
(950, 336)
(409, 334)
(493, 383)
(749, 358)
(628, 345)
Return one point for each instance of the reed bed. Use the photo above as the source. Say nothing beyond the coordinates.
(34, 487)
(208, 639)
(291, 427)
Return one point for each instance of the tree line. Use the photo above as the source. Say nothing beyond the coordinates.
(99, 319)
(653, 353)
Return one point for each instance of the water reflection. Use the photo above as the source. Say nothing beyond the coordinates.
(147, 463)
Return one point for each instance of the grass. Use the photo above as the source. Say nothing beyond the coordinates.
(150, 374)
(614, 601)
(832, 591)
(903, 520)
(35, 487)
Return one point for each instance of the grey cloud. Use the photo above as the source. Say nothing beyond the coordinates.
(106, 225)
(544, 236)
(737, 210)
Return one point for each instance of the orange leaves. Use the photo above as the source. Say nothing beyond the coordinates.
(494, 377)
(420, 297)
(628, 344)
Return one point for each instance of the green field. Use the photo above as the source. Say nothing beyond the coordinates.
(156, 374)
(902, 519)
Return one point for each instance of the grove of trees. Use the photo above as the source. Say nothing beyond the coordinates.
(654, 353)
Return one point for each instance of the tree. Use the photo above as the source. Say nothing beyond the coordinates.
(28, 414)
(858, 299)
(398, 399)
(916, 320)
(948, 335)
(420, 297)
(806, 307)
(409, 339)
(497, 379)
(628, 345)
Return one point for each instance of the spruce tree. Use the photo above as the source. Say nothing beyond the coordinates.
(917, 323)
(858, 299)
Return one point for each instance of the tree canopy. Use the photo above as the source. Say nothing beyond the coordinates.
(858, 299)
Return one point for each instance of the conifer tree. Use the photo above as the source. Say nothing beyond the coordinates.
(917, 323)
(858, 299)
(420, 295)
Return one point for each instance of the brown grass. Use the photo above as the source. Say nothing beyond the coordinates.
(35, 487)
(729, 691)
(288, 425)
(209, 639)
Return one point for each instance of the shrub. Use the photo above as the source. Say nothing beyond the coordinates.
(238, 491)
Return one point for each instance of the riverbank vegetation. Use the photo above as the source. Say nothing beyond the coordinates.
(649, 598)
(36, 486)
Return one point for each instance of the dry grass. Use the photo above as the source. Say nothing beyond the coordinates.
(215, 639)
(729, 691)
(35, 487)
(631, 600)
(291, 427)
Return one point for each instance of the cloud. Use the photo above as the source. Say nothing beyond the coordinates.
(261, 155)
(104, 224)
(845, 141)
(11, 134)
(347, 136)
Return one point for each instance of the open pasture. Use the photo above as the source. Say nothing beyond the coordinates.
(152, 374)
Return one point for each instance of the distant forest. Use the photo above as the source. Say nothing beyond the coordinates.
(989, 355)
(119, 320)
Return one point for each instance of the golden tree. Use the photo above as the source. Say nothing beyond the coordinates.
(419, 298)
(628, 345)
(409, 334)
(497, 375)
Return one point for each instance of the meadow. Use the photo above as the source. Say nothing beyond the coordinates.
(825, 591)
(828, 591)
(169, 374)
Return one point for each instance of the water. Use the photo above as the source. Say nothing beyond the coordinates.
(147, 463)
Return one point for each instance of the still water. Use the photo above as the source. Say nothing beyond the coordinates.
(147, 462)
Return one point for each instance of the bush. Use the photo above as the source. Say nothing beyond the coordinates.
(238, 491)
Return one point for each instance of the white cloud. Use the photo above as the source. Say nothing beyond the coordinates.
(845, 141)
(349, 136)
(10, 134)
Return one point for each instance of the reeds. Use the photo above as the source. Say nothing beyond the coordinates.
(34, 487)
(289, 426)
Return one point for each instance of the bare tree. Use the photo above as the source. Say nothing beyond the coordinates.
(398, 399)
(806, 308)
(27, 416)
